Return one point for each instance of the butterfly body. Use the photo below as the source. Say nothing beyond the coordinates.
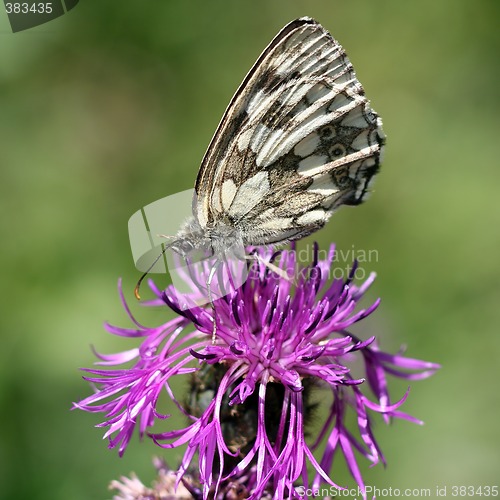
(214, 240)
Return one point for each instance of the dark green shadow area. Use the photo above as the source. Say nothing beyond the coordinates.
(70, 4)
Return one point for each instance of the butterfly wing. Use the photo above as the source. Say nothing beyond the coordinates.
(297, 140)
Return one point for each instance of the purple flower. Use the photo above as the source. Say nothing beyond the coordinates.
(280, 336)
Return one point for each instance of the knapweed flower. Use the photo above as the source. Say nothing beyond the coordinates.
(280, 336)
(164, 487)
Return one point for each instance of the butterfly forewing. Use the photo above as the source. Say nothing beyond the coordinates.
(298, 140)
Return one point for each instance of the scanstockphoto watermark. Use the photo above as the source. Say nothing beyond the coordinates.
(156, 225)
(343, 259)
(204, 275)
(355, 262)
(368, 492)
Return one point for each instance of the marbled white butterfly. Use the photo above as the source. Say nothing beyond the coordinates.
(297, 140)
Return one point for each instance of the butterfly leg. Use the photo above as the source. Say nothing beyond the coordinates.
(210, 278)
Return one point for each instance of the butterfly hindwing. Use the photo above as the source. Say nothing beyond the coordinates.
(297, 140)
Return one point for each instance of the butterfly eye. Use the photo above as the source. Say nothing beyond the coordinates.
(337, 151)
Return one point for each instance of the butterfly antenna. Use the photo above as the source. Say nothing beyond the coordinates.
(141, 279)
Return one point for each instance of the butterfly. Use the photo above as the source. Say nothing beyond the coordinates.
(298, 140)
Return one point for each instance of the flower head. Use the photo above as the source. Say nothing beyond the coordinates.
(282, 333)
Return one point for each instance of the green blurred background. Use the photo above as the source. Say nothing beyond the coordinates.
(111, 107)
